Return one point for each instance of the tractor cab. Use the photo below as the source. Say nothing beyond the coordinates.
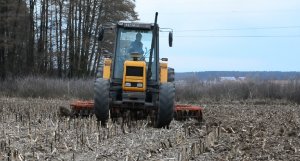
(133, 46)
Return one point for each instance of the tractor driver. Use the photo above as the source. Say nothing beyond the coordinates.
(137, 45)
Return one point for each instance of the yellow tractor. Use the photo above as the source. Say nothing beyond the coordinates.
(135, 82)
(135, 79)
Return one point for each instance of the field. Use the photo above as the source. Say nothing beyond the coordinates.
(32, 129)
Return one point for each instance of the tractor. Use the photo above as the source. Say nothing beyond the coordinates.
(135, 82)
(135, 79)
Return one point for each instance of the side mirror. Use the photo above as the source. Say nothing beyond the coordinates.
(101, 34)
(170, 39)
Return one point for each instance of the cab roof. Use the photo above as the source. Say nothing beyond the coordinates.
(135, 24)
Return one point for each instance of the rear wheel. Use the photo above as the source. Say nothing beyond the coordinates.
(171, 74)
(166, 105)
(101, 99)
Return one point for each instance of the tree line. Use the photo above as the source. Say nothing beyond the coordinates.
(56, 37)
(249, 75)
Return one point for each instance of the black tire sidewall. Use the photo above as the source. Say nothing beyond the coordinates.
(166, 105)
(101, 99)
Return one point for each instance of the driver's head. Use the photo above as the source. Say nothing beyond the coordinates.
(138, 36)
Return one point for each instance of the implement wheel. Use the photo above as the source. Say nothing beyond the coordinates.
(166, 105)
(101, 99)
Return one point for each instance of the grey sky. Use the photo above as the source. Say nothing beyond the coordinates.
(230, 35)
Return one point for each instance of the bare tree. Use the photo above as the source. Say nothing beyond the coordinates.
(13, 37)
(56, 37)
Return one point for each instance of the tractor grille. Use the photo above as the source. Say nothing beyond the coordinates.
(134, 71)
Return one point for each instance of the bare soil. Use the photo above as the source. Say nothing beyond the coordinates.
(32, 129)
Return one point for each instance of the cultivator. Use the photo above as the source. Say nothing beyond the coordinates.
(181, 111)
(82, 108)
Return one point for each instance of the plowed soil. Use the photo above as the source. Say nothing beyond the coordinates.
(32, 129)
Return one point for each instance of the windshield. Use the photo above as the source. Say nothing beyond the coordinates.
(131, 41)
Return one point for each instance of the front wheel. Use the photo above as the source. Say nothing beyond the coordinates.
(166, 105)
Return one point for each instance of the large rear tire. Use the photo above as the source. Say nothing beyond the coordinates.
(171, 74)
(101, 99)
(166, 105)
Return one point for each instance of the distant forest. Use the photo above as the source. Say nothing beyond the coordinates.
(56, 38)
(255, 75)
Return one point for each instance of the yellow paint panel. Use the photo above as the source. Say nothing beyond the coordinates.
(163, 72)
(134, 79)
(106, 68)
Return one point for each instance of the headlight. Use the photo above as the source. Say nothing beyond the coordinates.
(127, 84)
(140, 85)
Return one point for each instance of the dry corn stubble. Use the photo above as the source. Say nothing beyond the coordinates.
(31, 129)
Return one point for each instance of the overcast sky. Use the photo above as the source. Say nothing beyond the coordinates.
(228, 35)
